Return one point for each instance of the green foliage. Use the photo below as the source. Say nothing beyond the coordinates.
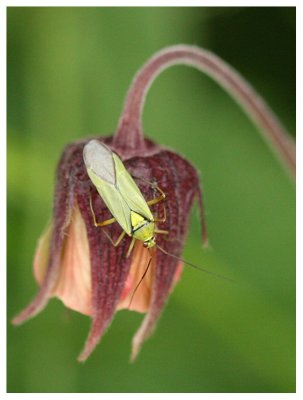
(68, 73)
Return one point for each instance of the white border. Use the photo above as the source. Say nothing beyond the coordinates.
(299, 233)
(144, 3)
(157, 3)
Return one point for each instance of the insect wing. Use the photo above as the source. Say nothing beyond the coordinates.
(99, 158)
(130, 191)
(101, 169)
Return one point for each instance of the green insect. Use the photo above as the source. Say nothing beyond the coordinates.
(125, 202)
(121, 196)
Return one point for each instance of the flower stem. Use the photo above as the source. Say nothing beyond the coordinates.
(130, 132)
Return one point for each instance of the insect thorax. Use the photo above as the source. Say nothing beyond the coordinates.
(143, 229)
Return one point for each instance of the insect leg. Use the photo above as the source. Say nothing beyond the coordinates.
(102, 223)
(163, 219)
(158, 198)
(118, 241)
(154, 186)
(131, 246)
(161, 231)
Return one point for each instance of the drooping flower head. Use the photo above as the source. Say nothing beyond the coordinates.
(77, 261)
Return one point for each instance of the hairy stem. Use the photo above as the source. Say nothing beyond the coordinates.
(130, 132)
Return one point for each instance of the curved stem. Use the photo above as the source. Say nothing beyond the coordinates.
(130, 132)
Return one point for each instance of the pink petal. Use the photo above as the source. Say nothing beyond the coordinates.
(42, 254)
(74, 285)
(141, 300)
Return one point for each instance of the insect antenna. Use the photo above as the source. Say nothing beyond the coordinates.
(195, 266)
(140, 281)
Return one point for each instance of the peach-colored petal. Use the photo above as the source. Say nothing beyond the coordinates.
(74, 284)
(42, 253)
(141, 300)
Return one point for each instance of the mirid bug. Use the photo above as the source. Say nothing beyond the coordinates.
(122, 196)
(125, 201)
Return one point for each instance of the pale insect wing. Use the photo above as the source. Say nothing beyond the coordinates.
(99, 158)
(100, 169)
(130, 191)
(113, 200)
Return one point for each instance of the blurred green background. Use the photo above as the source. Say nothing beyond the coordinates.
(68, 72)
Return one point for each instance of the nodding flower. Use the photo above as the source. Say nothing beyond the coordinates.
(75, 260)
